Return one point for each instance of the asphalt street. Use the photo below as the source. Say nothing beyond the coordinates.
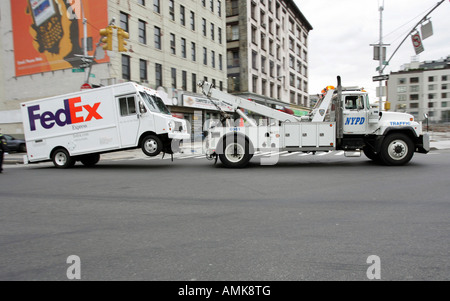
(305, 218)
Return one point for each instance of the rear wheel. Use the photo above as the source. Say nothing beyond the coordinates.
(397, 149)
(62, 159)
(90, 160)
(235, 153)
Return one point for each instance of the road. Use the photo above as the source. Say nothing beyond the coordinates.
(305, 218)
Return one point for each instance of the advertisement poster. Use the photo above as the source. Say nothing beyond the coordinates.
(49, 33)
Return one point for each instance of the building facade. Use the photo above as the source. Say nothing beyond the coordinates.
(422, 88)
(267, 52)
(172, 45)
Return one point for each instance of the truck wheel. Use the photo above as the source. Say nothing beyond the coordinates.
(151, 145)
(235, 153)
(368, 151)
(62, 159)
(397, 149)
(90, 160)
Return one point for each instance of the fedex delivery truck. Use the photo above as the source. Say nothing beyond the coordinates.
(82, 125)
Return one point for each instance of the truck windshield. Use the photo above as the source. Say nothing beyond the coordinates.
(155, 103)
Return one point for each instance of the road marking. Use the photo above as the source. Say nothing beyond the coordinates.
(290, 154)
(261, 154)
(274, 154)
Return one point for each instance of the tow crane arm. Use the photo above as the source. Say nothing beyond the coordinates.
(238, 102)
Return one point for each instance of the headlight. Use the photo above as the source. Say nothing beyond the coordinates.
(171, 125)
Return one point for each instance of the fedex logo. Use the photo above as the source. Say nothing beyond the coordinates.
(355, 120)
(70, 110)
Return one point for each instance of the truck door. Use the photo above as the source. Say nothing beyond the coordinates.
(128, 120)
(355, 114)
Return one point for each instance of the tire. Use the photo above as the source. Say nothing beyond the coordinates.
(90, 160)
(396, 149)
(236, 152)
(368, 151)
(23, 148)
(151, 145)
(62, 159)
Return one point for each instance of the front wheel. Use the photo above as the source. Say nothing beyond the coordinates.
(235, 153)
(397, 149)
(151, 145)
(62, 159)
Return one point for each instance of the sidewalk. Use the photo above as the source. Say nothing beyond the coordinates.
(439, 141)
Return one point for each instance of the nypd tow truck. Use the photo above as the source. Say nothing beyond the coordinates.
(343, 119)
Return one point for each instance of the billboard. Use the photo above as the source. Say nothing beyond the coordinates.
(48, 33)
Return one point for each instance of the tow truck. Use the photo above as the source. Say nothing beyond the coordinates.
(343, 119)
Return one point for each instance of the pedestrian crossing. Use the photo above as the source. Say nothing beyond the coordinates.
(257, 154)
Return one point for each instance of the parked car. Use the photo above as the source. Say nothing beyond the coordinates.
(13, 144)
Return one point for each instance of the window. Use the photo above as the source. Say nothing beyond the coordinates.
(263, 87)
(184, 80)
(401, 97)
(127, 106)
(292, 80)
(193, 52)
(402, 81)
(255, 84)
(219, 35)
(172, 10)
(233, 58)
(430, 105)
(220, 62)
(413, 105)
(354, 102)
(172, 44)
(158, 75)
(431, 87)
(124, 21)
(414, 97)
(431, 96)
(234, 32)
(253, 11)
(213, 59)
(141, 2)
(183, 47)
(413, 80)
(157, 37)
(205, 56)
(126, 67)
(192, 20)
(444, 104)
(431, 78)
(255, 60)
(444, 78)
(212, 31)
(156, 6)
(292, 61)
(204, 26)
(182, 16)
(254, 30)
(414, 88)
(142, 32)
(401, 89)
(211, 5)
(143, 70)
(234, 7)
(194, 82)
(219, 8)
(444, 87)
(174, 77)
(263, 64)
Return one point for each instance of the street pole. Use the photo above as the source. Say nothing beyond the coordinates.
(380, 70)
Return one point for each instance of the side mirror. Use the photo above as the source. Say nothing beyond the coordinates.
(142, 108)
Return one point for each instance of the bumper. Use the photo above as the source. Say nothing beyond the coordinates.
(179, 136)
(423, 143)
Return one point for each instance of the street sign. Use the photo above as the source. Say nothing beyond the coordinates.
(85, 86)
(77, 70)
(417, 43)
(379, 78)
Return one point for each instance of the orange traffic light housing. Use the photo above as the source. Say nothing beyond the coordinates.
(122, 35)
(107, 34)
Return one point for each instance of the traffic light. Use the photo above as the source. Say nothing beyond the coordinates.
(122, 35)
(107, 34)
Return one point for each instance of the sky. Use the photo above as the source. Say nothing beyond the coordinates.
(343, 30)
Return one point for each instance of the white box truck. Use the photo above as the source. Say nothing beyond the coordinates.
(82, 125)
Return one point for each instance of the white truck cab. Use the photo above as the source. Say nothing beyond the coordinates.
(82, 125)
